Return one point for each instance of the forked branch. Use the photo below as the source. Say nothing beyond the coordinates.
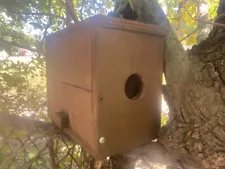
(71, 10)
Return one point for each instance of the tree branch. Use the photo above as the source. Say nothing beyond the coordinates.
(189, 34)
(39, 14)
(206, 22)
(219, 17)
(72, 12)
(179, 17)
(15, 44)
(47, 27)
(30, 125)
(154, 152)
(25, 123)
(221, 8)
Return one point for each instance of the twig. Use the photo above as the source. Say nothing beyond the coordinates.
(188, 35)
(180, 6)
(206, 22)
(47, 27)
(39, 14)
(15, 44)
(214, 24)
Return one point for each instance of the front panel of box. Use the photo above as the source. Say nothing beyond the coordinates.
(128, 85)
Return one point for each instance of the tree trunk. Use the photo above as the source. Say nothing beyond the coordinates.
(198, 132)
(195, 133)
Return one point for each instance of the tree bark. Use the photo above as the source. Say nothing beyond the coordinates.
(195, 134)
(198, 131)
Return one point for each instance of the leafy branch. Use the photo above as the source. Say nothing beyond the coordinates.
(18, 45)
(206, 22)
(39, 14)
(47, 27)
(189, 34)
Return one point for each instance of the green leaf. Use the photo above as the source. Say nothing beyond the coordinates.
(131, 4)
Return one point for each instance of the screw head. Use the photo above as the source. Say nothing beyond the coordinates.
(102, 140)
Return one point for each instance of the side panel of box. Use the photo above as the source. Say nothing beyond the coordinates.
(125, 123)
(69, 57)
(69, 81)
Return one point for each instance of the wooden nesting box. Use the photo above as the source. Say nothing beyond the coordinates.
(104, 83)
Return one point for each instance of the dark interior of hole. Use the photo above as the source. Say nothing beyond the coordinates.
(133, 87)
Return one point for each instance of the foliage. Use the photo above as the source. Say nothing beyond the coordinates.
(184, 24)
(38, 151)
(164, 119)
(130, 3)
(25, 24)
(23, 87)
